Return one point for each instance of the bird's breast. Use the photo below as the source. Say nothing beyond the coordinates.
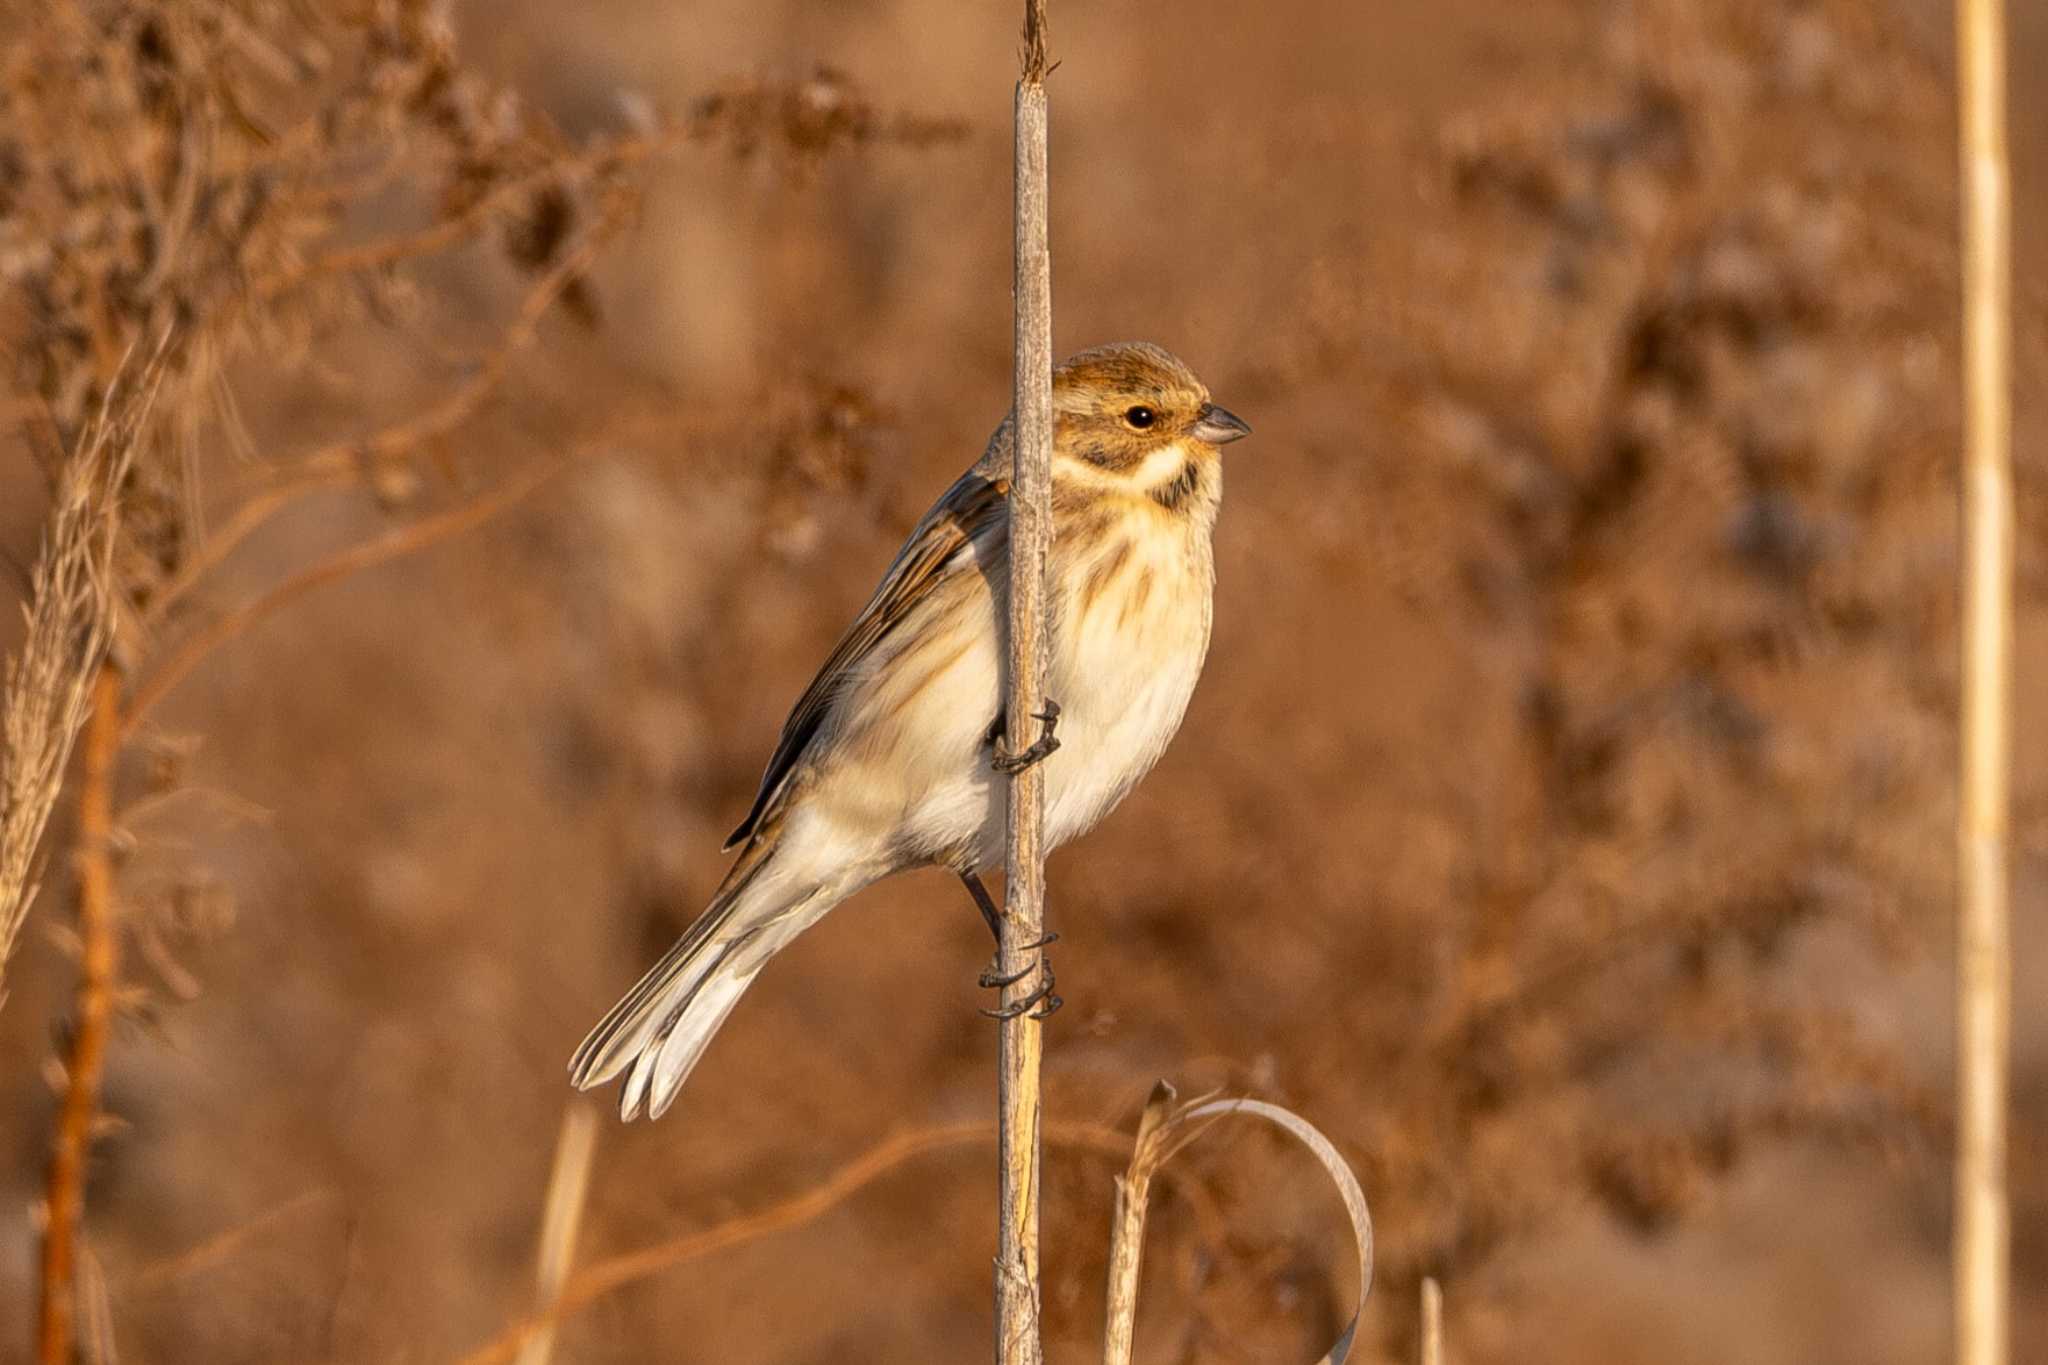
(1132, 610)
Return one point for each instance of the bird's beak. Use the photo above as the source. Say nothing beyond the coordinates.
(1219, 426)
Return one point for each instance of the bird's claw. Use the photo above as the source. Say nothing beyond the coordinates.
(1042, 1003)
(1041, 748)
(991, 979)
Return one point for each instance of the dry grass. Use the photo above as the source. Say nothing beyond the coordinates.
(561, 1215)
(71, 618)
(1164, 1129)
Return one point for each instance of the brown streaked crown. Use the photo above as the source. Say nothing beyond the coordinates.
(1116, 404)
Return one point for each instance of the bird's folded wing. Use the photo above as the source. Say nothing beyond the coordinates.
(971, 507)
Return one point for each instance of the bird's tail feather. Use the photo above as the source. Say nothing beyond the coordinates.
(661, 1027)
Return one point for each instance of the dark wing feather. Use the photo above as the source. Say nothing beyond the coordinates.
(967, 509)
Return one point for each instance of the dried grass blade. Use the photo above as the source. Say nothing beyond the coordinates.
(561, 1216)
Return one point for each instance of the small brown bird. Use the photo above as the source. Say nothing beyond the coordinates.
(891, 758)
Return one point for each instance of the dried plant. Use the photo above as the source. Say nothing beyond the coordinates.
(616, 1272)
(1983, 1233)
(561, 1213)
(1026, 977)
(195, 175)
(70, 614)
(1677, 525)
(1167, 1127)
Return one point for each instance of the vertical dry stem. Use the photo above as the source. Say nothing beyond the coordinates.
(561, 1216)
(1983, 959)
(1017, 1293)
(1432, 1351)
(1127, 1235)
(98, 968)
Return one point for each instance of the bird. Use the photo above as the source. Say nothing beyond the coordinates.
(894, 758)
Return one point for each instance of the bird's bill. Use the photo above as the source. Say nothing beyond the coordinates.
(1220, 426)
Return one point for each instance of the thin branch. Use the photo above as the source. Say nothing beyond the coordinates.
(1017, 1296)
(218, 1248)
(732, 113)
(99, 970)
(248, 518)
(1983, 1235)
(593, 1283)
(345, 462)
(567, 171)
(394, 544)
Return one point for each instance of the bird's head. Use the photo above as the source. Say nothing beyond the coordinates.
(1133, 413)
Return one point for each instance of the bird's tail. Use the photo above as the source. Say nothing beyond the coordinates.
(662, 1026)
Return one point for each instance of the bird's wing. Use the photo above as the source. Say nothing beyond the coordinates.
(969, 508)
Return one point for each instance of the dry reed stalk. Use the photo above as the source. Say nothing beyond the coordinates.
(561, 1216)
(1023, 923)
(70, 625)
(596, 1281)
(1167, 1127)
(1983, 942)
(99, 978)
(1432, 1348)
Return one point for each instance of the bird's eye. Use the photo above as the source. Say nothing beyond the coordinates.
(1140, 417)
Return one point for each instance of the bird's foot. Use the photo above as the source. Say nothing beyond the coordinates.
(991, 979)
(1041, 1003)
(1041, 748)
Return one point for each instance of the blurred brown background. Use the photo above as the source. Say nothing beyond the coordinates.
(1563, 823)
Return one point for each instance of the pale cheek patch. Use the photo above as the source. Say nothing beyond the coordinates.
(1161, 465)
(1157, 467)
